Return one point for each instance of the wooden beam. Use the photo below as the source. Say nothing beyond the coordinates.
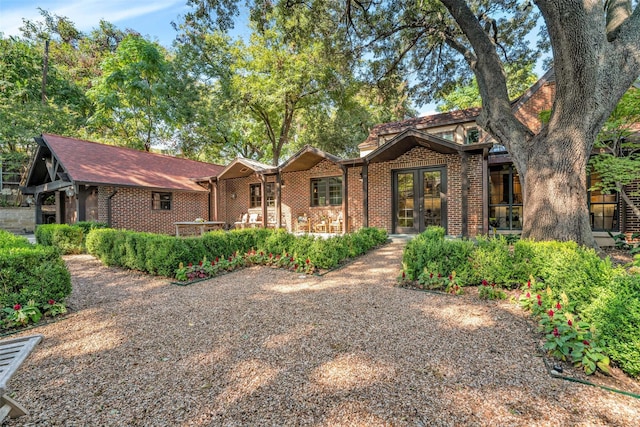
(46, 188)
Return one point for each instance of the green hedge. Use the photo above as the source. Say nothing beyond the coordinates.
(67, 238)
(161, 254)
(10, 240)
(32, 273)
(430, 252)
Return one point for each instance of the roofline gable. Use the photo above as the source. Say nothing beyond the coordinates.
(302, 156)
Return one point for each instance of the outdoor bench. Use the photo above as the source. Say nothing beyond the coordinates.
(12, 353)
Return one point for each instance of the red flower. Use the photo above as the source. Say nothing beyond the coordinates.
(485, 283)
(190, 265)
(439, 276)
(558, 306)
(217, 259)
(538, 296)
(430, 275)
(403, 274)
(529, 284)
(555, 332)
(450, 277)
(308, 261)
(261, 253)
(213, 263)
(569, 322)
(528, 295)
(200, 263)
(51, 302)
(540, 303)
(585, 342)
(550, 313)
(17, 307)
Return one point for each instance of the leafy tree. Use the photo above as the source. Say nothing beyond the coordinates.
(290, 84)
(618, 162)
(131, 95)
(464, 96)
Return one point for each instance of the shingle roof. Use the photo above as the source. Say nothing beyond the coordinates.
(94, 163)
(423, 122)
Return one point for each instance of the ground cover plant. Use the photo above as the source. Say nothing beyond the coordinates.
(588, 309)
(34, 281)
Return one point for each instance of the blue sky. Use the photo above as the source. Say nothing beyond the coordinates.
(149, 17)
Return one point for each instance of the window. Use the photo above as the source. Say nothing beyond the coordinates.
(326, 191)
(448, 135)
(255, 195)
(505, 198)
(603, 208)
(473, 136)
(161, 201)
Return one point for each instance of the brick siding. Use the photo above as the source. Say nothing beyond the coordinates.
(131, 209)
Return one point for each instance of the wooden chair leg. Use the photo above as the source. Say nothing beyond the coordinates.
(11, 407)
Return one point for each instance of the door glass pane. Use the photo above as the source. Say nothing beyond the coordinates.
(405, 200)
(432, 211)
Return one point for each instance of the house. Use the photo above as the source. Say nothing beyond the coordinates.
(440, 169)
(86, 181)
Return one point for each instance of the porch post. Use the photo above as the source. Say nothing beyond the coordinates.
(365, 194)
(38, 212)
(263, 192)
(213, 199)
(464, 180)
(345, 198)
(278, 201)
(485, 191)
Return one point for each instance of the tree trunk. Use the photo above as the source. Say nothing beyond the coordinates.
(555, 189)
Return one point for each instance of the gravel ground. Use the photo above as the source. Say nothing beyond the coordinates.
(268, 347)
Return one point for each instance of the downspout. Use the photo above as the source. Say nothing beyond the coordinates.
(109, 207)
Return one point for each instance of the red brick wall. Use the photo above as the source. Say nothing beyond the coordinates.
(539, 101)
(629, 222)
(380, 188)
(131, 209)
(296, 194)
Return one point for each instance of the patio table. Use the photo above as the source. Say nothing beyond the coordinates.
(201, 226)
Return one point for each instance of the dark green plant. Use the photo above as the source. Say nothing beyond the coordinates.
(492, 261)
(428, 252)
(68, 239)
(32, 273)
(9, 240)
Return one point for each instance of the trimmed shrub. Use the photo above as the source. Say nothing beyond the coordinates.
(10, 240)
(32, 273)
(616, 315)
(493, 261)
(68, 239)
(161, 254)
(429, 252)
(565, 267)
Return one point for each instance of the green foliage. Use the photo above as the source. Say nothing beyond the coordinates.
(160, 254)
(616, 315)
(32, 273)
(19, 315)
(493, 261)
(565, 267)
(67, 238)
(430, 253)
(486, 291)
(9, 240)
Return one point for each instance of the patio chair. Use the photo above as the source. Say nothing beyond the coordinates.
(243, 221)
(12, 353)
(304, 223)
(254, 220)
(335, 226)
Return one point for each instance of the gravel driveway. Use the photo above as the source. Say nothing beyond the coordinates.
(268, 347)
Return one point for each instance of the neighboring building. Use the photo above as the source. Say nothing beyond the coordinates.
(136, 190)
(434, 170)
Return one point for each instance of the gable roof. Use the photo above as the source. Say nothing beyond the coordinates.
(411, 138)
(241, 167)
(306, 158)
(87, 162)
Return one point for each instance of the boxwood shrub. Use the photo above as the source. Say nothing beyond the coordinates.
(10, 240)
(67, 238)
(161, 254)
(32, 272)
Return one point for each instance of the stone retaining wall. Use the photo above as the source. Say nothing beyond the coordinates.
(18, 220)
